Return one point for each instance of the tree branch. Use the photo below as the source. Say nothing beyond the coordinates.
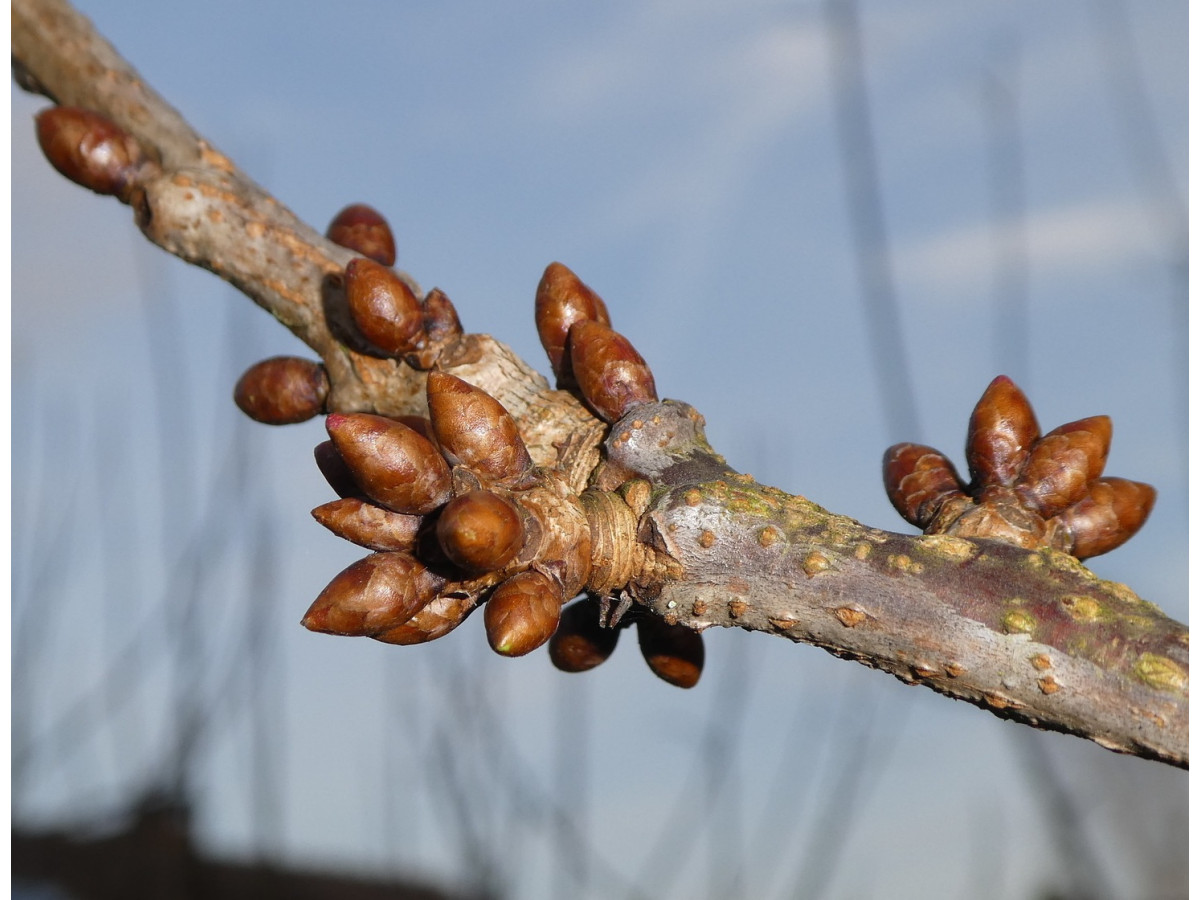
(1029, 635)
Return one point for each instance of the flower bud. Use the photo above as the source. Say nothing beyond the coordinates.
(674, 653)
(919, 480)
(393, 465)
(480, 532)
(1110, 513)
(1063, 463)
(612, 376)
(89, 149)
(383, 307)
(474, 430)
(581, 642)
(360, 228)
(562, 300)
(522, 613)
(437, 618)
(282, 390)
(374, 594)
(368, 525)
(335, 470)
(1000, 434)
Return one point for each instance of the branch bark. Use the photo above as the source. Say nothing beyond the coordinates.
(1031, 636)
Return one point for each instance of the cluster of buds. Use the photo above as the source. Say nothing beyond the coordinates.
(452, 507)
(1027, 489)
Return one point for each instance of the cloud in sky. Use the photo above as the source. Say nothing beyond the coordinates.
(1070, 239)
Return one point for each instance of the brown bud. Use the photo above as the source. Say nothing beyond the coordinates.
(374, 594)
(441, 327)
(1001, 432)
(89, 149)
(480, 532)
(612, 376)
(581, 642)
(368, 525)
(383, 307)
(335, 470)
(522, 613)
(360, 228)
(1063, 463)
(437, 618)
(1110, 513)
(393, 465)
(474, 430)
(282, 390)
(441, 318)
(919, 480)
(674, 653)
(562, 300)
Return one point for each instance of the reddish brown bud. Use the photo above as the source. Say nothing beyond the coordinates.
(612, 376)
(919, 480)
(1063, 463)
(674, 653)
(1110, 514)
(282, 390)
(1000, 434)
(335, 470)
(383, 307)
(441, 327)
(368, 525)
(441, 318)
(393, 465)
(374, 594)
(581, 642)
(562, 300)
(480, 532)
(437, 618)
(522, 613)
(474, 430)
(360, 228)
(89, 149)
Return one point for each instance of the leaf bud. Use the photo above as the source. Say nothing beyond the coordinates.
(368, 525)
(441, 327)
(522, 613)
(1000, 434)
(581, 642)
(473, 429)
(561, 301)
(384, 307)
(282, 390)
(437, 618)
(1063, 463)
(612, 376)
(362, 229)
(480, 531)
(393, 464)
(1112, 511)
(674, 653)
(919, 480)
(89, 149)
(376, 593)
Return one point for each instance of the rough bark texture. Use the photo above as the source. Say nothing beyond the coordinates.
(1029, 635)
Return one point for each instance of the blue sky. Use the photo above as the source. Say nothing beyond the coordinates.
(683, 159)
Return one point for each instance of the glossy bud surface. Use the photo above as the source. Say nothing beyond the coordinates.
(475, 430)
(362, 229)
(393, 464)
(282, 390)
(89, 149)
(384, 307)
(522, 613)
(612, 375)
(376, 593)
(480, 531)
(674, 653)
